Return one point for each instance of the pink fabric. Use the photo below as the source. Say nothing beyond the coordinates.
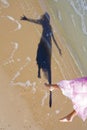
(76, 90)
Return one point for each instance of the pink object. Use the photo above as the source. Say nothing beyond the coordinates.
(76, 90)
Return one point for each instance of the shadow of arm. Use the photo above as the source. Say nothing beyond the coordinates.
(38, 21)
(60, 52)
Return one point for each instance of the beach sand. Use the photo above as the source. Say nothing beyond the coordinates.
(24, 101)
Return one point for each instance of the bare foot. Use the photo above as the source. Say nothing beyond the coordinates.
(69, 117)
(49, 86)
(65, 120)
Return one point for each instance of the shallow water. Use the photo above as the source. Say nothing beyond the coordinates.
(70, 17)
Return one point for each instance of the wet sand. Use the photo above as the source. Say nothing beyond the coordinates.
(24, 101)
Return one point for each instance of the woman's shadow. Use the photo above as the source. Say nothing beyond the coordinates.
(44, 50)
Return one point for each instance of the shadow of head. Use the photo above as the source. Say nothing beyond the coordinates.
(46, 17)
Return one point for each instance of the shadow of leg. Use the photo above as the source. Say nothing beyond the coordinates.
(39, 75)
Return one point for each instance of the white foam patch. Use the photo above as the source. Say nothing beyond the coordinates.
(5, 3)
(25, 85)
(15, 21)
(34, 87)
(57, 111)
(11, 58)
(44, 98)
(59, 16)
(73, 20)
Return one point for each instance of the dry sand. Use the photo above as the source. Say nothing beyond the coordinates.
(23, 97)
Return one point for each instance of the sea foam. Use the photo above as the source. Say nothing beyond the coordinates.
(80, 7)
(10, 60)
(15, 21)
